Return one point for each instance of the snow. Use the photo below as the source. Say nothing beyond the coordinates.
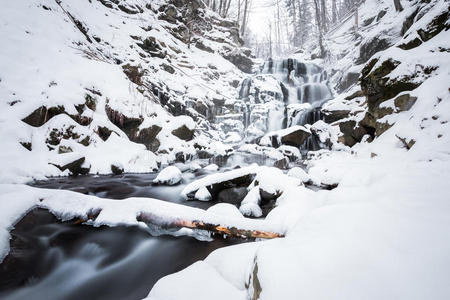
(225, 209)
(250, 204)
(217, 178)
(170, 175)
(202, 194)
(298, 173)
(211, 168)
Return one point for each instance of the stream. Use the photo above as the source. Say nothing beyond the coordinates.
(50, 259)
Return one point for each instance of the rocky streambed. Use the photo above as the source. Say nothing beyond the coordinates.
(50, 259)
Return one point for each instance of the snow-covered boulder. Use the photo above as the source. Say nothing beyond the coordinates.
(298, 173)
(169, 176)
(211, 168)
(202, 194)
(225, 209)
(250, 204)
(219, 181)
(292, 136)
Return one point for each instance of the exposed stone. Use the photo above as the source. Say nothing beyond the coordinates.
(331, 116)
(438, 24)
(232, 195)
(184, 133)
(75, 167)
(404, 102)
(26, 145)
(295, 138)
(64, 149)
(348, 80)
(41, 115)
(282, 163)
(237, 58)
(147, 136)
(408, 144)
(134, 73)
(117, 169)
(371, 47)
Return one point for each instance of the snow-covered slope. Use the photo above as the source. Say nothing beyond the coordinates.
(383, 232)
(80, 79)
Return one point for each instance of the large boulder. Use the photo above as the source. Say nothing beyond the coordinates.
(292, 136)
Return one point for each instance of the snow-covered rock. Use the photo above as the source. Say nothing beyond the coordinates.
(202, 194)
(170, 175)
(298, 173)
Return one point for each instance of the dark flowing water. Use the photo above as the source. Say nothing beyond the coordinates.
(50, 259)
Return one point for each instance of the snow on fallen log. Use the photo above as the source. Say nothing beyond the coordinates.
(212, 181)
(91, 210)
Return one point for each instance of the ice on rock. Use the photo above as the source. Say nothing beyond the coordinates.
(250, 204)
(169, 176)
(298, 173)
(203, 194)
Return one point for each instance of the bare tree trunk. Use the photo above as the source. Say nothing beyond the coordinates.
(334, 11)
(245, 16)
(319, 27)
(398, 5)
(227, 9)
(323, 14)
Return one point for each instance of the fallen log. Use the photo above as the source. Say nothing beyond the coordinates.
(233, 232)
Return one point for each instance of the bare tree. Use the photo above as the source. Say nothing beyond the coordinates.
(398, 6)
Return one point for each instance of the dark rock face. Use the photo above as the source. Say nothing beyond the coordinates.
(331, 116)
(41, 115)
(438, 24)
(347, 81)
(232, 195)
(295, 138)
(282, 163)
(75, 167)
(243, 62)
(238, 182)
(134, 73)
(352, 132)
(184, 133)
(116, 169)
(127, 124)
(370, 48)
(147, 136)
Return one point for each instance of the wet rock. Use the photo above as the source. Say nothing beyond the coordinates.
(331, 116)
(147, 136)
(240, 60)
(103, 132)
(368, 49)
(127, 124)
(134, 73)
(352, 133)
(184, 133)
(406, 143)
(26, 145)
(117, 169)
(153, 47)
(232, 195)
(200, 45)
(438, 24)
(282, 163)
(347, 80)
(404, 102)
(76, 167)
(295, 138)
(64, 149)
(238, 182)
(41, 115)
